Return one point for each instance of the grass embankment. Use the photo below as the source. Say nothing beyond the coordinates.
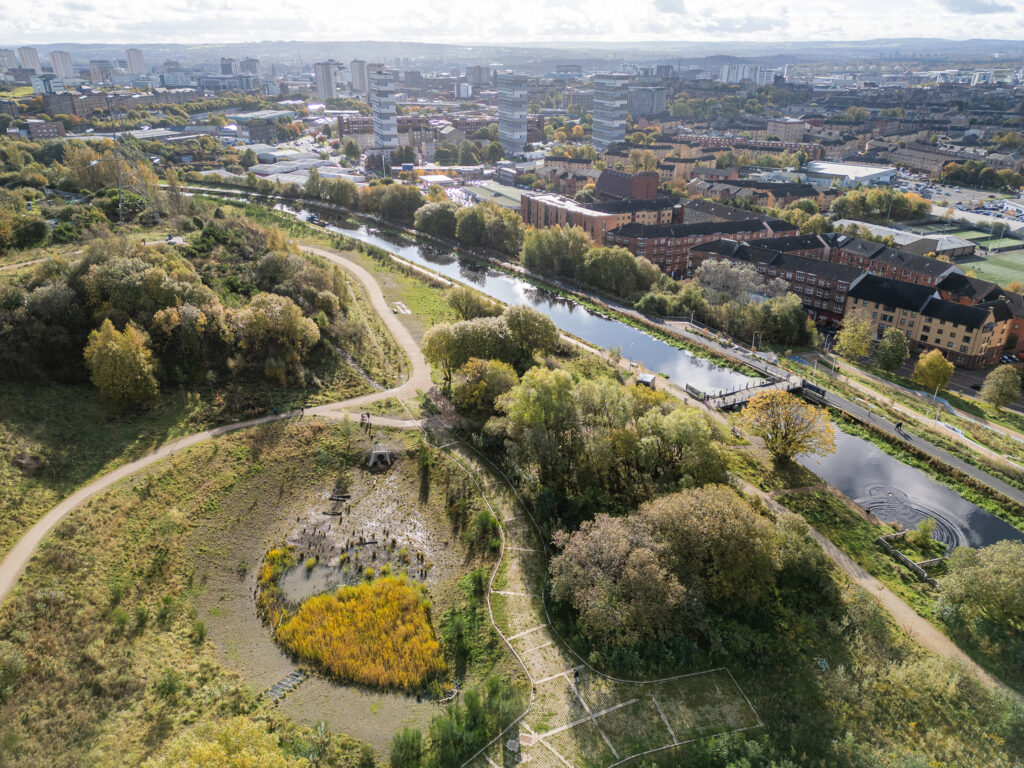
(110, 657)
(859, 539)
(992, 648)
(376, 633)
(55, 438)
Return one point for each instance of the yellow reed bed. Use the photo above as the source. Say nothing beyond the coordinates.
(375, 633)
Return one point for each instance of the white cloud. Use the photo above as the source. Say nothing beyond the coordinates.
(472, 21)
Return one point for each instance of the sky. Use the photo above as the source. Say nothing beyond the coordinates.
(502, 21)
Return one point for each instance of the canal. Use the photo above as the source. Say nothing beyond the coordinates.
(892, 490)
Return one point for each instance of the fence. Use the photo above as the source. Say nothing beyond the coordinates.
(920, 572)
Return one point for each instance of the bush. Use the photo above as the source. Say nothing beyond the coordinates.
(376, 633)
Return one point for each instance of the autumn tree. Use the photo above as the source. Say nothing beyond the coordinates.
(482, 382)
(1002, 386)
(654, 573)
(121, 364)
(724, 281)
(788, 425)
(854, 339)
(227, 743)
(932, 371)
(892, 351)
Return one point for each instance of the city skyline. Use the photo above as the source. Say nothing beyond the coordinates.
(527, 22)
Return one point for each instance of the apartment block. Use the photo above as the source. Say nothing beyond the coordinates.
(968, 336)
(610, 102)
(670, 246)
(512, 112)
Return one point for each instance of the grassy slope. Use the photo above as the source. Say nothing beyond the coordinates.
(80, 437)
(99, 689)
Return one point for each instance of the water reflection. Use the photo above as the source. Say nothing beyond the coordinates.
(655, 355)
(894, 491)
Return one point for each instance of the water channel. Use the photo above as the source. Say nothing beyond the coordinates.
(893, 491)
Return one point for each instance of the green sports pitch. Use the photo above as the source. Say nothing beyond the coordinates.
(1002, 268)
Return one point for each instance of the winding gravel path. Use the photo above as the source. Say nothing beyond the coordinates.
(14, 564)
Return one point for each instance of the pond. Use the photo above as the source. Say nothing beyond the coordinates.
(894, 491)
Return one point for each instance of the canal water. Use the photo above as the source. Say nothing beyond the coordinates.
(892, 490)
(678, 365)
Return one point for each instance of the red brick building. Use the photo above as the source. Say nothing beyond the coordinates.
(669, 246)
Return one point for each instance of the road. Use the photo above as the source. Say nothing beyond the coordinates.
(14, 564)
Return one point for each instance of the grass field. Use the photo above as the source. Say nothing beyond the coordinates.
(1002, 268)
(998, 242)
(970, 234)
(18, 92)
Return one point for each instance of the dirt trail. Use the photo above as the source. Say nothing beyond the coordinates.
(14, 564)
(916, 626)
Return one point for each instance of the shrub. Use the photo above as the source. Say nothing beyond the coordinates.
(169, 683)
(376, 633)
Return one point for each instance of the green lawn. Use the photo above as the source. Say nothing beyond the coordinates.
(17, 92)
(998, 242)
(998, 267)
(971, 234)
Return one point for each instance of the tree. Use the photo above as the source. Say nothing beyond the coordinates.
(1002, 386)
(406, 749)
(724, 281)
(892, 351)
(470, 228)
(470, 304)
(654, 573)
(352, 150)
(1015, 286)
(987, 581)
(440, 349)
(854, 339)
(121, 365)
(482, 382)
(437, 219)
(531, 331)
(227, 743)
(788, 425)
(932, 371)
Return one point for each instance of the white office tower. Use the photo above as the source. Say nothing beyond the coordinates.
(8, 59)
(61, 61)
(326, 87)
(136, 64)
(360, 76)
(29, 58)
(512, 103)
(381, 93)
(611, 93)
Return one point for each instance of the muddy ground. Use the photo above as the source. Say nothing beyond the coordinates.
(399, 520)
